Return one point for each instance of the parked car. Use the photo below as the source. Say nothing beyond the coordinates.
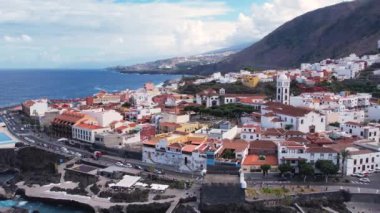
(128, 165)
(119, 164)
(358, 175)
(138, 167)
(158, 171)
(365, 180)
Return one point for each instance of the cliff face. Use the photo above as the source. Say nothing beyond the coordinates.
(331, 32)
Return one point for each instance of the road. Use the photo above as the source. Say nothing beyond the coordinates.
(26, 135)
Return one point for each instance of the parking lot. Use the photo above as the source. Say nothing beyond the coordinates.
(373, 178)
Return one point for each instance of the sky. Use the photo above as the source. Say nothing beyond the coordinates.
(103, 33)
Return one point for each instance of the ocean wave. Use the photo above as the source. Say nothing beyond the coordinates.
(99, 89)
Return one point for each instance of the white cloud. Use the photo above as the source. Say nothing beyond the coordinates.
(19, 38)
(264, 18)
(104, 32)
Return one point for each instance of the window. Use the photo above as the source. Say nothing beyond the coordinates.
(370, 134)
(301, 121)
(251, 137)
(286, 90)
(373, 159)
(366, 160)
(361, 133)
(321, 120)
(361, 161)
(243, 136)
(355, 162)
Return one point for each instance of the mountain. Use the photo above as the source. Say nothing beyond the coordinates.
(330, 32)
(182, 64)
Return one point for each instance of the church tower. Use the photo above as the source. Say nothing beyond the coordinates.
(283, 89)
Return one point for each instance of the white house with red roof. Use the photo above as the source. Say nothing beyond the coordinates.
(277, 115)
(363, 156)
(183, 152)
(370, 131)
(250, 132)
(292, 152)
(104, 117)
(86, 131)
(209, 97)
(35, 107)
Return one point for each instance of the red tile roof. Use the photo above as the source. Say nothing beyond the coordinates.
(293, 111)
(254, 160)
(189, 148)
(238, 145)
(262, 145)
(320, 150)
(88, 126)
(69, 116)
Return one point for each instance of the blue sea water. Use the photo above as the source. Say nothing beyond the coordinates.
(41, 207)
(20, 85)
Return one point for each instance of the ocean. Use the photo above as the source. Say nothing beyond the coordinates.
(17, 86)
(40, 206)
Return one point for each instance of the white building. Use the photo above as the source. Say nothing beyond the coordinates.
(183, 157)
(361, 160)
(370, 132)
(86, 132)
(104, 117)
(223, 130)
(276, 115)
(293, 152)
(115, 139)
(344, 116)
(283, 89)
(174, 118)
(141, 112)
(208, 98)
(250, 132)
(35, 107)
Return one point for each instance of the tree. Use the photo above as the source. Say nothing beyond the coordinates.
(327, 167)
(344, 154)
(288, 126)
(126, 105)
(265, 168)
(286, 167)
(305, 169)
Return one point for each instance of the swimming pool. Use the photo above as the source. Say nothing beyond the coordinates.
(5, 139)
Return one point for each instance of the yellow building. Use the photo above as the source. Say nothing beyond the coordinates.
(177, 138)
(250, 80)
(189, 127)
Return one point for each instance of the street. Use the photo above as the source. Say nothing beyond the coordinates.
(27, 135)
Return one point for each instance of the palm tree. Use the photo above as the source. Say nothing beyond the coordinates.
(344, 154)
